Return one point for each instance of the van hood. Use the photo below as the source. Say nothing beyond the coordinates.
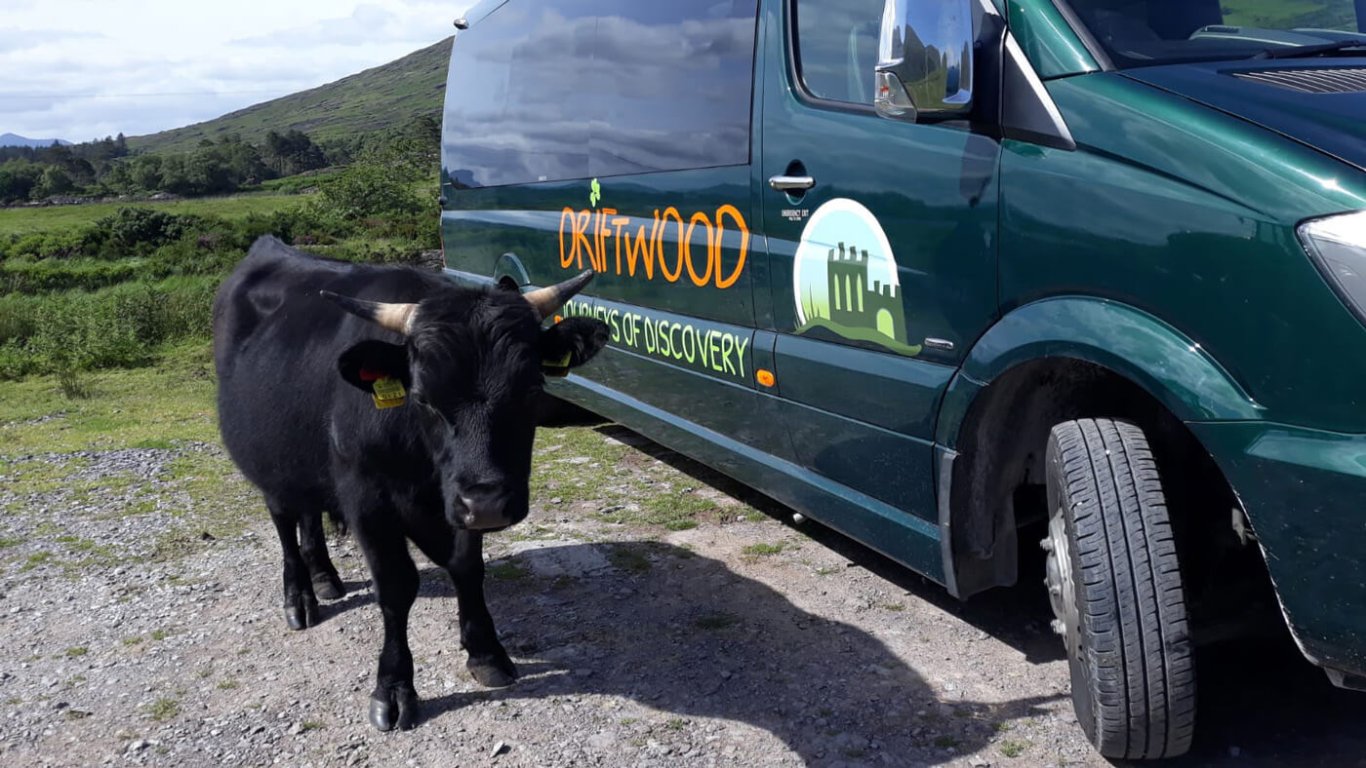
(1318, 102)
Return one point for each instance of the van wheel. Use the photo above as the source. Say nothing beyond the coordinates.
(1116, 590)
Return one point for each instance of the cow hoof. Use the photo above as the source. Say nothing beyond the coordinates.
(328, 586)
(303, 613)
(393, 707)
(493, 674)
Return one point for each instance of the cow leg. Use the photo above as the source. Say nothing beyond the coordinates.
(301, 606)
(394, 700)
(327, 583)
(461, 553)
(488, 662)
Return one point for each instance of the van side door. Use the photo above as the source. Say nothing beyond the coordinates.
(882, 240)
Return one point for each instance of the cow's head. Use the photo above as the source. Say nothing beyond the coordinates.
(471, 364)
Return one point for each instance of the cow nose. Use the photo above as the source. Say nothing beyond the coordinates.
(485, 507)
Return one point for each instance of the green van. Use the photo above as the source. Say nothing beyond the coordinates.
(962, 279)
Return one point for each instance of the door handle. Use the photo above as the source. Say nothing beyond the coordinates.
(791, 183)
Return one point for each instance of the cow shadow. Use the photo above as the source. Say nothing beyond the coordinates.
(687, 635)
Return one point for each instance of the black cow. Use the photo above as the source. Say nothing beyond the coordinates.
(403, 405)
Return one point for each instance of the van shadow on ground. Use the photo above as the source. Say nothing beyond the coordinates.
(686, 635)
(1260, 701)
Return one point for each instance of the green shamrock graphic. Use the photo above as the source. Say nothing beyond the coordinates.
(596, 194)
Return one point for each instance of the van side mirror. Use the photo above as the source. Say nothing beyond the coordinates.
(925, 60)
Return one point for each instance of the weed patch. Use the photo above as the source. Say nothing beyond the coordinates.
(163, 709)
(1013, 748)
(764, 549)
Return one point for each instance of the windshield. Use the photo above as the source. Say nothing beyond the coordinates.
(1139, 33)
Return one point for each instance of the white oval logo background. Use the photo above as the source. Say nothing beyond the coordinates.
(846, 221)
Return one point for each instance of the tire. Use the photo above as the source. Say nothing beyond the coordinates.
(1117, 592)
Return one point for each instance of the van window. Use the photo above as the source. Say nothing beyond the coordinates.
(1140, 33)
(557, 90)
(836, 47)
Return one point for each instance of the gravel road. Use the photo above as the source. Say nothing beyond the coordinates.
(745, 641)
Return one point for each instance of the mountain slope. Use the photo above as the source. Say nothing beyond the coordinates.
(386, 96)
(15, 140)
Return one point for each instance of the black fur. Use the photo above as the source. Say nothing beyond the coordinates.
(295, 373)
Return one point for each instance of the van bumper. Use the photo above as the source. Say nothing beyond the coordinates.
(1304, 492)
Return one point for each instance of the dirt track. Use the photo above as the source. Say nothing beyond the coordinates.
(742, 642)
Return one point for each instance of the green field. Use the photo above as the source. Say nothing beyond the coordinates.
(25, 220)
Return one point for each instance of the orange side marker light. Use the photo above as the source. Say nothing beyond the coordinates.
(765, 378)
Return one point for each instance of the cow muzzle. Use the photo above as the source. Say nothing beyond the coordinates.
(483, 510)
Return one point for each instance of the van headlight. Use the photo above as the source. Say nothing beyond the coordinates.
(1338, 246)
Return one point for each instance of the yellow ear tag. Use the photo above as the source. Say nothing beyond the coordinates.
(556, 367)
(388, 393)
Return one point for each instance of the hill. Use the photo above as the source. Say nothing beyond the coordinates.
(15, 140)
(386, 96)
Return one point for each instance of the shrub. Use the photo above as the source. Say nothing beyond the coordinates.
(367, 189)
(131, 231)
(117, 327)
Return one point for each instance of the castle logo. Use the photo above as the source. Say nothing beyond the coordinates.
(845, 280)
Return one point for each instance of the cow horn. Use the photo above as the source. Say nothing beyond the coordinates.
(394, 317)
(548, 300)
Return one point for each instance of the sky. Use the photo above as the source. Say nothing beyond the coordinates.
(85, 69)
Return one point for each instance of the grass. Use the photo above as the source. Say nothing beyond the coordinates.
(1013, 748)
(569, 467)
(34, 560)
(76, 652)
(160, 407)
(764, 549)
(160, 634)
(163, 709)
(171, 401)
(27, 221)
(227, 684)
(37, 476)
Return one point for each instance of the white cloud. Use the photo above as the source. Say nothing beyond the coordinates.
(173, 63)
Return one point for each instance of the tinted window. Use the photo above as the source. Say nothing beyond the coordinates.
(550, 90)
(837, 47)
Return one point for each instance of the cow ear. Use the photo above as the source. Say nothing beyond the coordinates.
(369, 361)
(571, 342)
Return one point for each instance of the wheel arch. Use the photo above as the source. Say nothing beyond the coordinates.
(1052, 361)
